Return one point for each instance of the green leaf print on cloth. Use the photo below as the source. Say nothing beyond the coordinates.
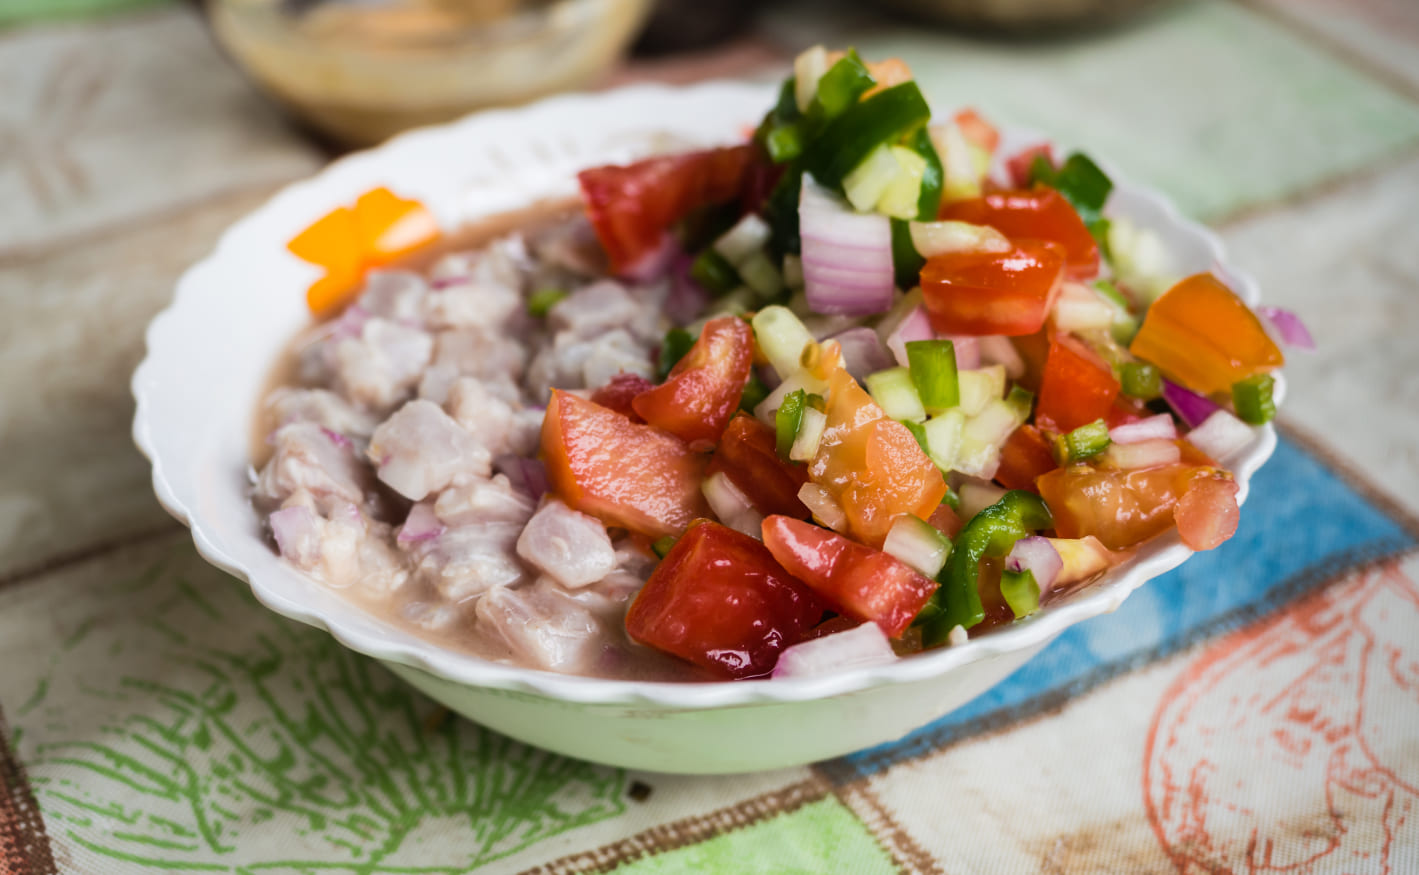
(182, 725)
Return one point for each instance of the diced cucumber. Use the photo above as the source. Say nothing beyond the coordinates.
(1081, 308)
(810, 433)
(808, 68)
(943, 437)
(949, 235)
(736, 303)
(977, 458)
(976, 497)
(899, 199)
(993, 424)
(759, 274)
(867, 181)
(781, 338)
(958, 168)
(979, 387)
(980, 159)
(918, 543)
(895, 393)
(1022, 402)
(748, 237)
(810, 384)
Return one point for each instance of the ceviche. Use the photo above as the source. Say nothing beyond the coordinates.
(855, 388)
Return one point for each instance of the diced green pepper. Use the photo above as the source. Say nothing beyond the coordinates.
(933, 179)
(754, 392)
(677, 342)
(840, 87)
(1021, 592)
(714, 272)
(541, 302)
(664, 545)
(882, 118)
(788, 420)
(781, 212)
(784, 142)
(918, 432)
(1141, 380)
(1081, 182)
(1253, 399)
(933, 370)
(1087, 440)
(952, 499)
(906, 263)
(992, 532)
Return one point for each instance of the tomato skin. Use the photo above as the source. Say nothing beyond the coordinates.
(620, 391)
(1202, 335)
(1125, 508)
(1207, 514)
(1020, 163)
(1040, 213)
(855, 580)
(1077, 387)
(748, 456)
(1025, 456)
(621, 472)
(703, 390)
(980, 293)
(631, 207)
(718, 599)
(871, 464)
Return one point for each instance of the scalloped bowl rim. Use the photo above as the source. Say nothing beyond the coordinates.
(1156, 557)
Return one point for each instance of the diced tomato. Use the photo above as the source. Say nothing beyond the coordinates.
(871, 464)
(1040, 213)
(620, 391)
(632, 207)
(946, 520)
(1125, 411)
(1025, 456)
(718, 599)
(1020, 163)
(853, 579)
(703, 390)
(748, 456)
(1207, 514)
(622, 472)
(1124, 508)
(977, 130)
(832, 625)
(1202, 335)
(980, 293)
(1077, 387)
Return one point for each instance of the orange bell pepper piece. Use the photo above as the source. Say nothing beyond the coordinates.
(1202, 335)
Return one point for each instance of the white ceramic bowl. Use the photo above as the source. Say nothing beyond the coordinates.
(209, 354)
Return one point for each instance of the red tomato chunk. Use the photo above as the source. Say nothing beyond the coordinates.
(622, 472)
(718, 599)
(703, 390)
(980, 293)
(1124, 508)
(1041, 213)
(747, 456)
(1077, 387)
(857, 581)
(620, 391)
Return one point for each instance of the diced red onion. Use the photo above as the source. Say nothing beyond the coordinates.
(1152, 428)
(859, 647)
(527, 476)
(687, 298)
(847, 256)
(338, 439)
(1151, 453)
(863, 352)
(1289, 326)
(1038, 556)
(422, 524)
(445, 282)
(916, 325)
(1221, 435)
(350, 323)
(731, 505)
(996, 349)
(1191, 407)
(295, 528)
(653, 265)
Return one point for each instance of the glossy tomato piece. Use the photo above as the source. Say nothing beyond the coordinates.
(632, 207)
(855, 580)
(620, 391)
(1207, 514)
(622, 472)
(748, 456)
(1200, 334)
(1019, 164)
(979, 293)
(703, 390)
(1077, 387)
(1124, 508)
(718, 599)
(1026, 455)
(871, 464)
(1041, 213)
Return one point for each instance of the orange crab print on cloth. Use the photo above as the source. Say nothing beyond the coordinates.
(379, 229)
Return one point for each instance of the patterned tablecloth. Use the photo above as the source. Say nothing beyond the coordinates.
(1256, 711)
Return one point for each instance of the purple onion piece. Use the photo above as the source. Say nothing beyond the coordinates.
(528, 476)
(858, 647)
(654, 265)
(1289, 326)
(687, 299)
(1038, 556)
(863, 352)
(338, 439)
(422, 524)
(1191, 407)
(1152, 428)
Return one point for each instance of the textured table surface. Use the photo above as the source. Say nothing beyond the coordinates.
(153, 718)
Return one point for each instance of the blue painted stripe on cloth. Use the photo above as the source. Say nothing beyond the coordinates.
(1300, 515)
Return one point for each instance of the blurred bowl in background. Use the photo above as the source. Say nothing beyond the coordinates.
(362, 70)
(1021, 15)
